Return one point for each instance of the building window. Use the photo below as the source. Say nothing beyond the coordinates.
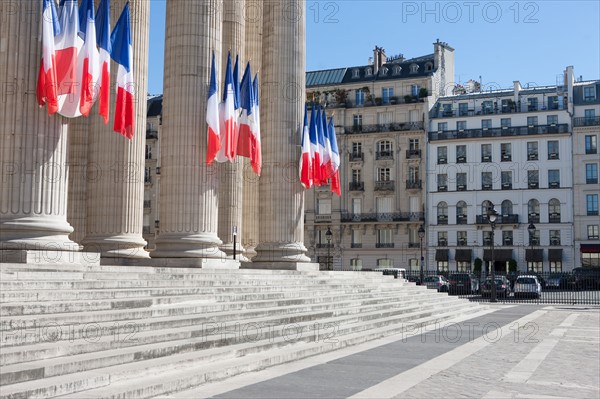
(461, 238)
(591, 173)
(552, 149)
(357, 123)
(589, 93)
(413, 174)
(505, 123)
(591, 144)
(414, 90)
(356, 238)
(589, 115)
(385, 238)
(428, 67)
(356, 176)
(442, 266)
(590, 259)
(442, 155)
(487, 238)
(461, 212)
(552, 102)
(554, 211)
(461, 125)
(356, 151)
(535, 267)
(463, 109)
(383, 174)
(442, 182)
(555, 267)
(532, 121)
(148, 152)
(593, 232)
(505, 152)
(552, 120)
(461, 154)
(384, 150)
(356, 264)
(355, 74)
(413, 144)
(532, 151)
(591, 201)
(397, 70)
(486, 180)
(532, 104)
(553, 178)
(147, 175)
(506, 208)
(506, 180)
(461, 181)
(534, 239)
(414, 68)
(555, 237)
(368, 72)
(442, 238)
(324, 206)
(442, 126)
(486, 153)
(442, 213)
(487, 107)
(463, 266)
(360, 97)
(486, 124)
(447, 110)
(533, 211)
(507, 238)
(383, 71)
(386, 94)
(533, 178)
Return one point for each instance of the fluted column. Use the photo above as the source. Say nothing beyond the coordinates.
(253, 18)
(282, 115)
(79, 130)
(230, 174)
(33, 184)
(188, 192)
(115, 197)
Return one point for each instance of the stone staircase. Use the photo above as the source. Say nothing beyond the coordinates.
(136, 332)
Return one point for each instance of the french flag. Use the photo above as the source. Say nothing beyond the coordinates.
(305, 161)
(68, 46)
(91, 66)
(212, 116)
(327, 153)
(257, 111)
(227, 118)
(248, 141)
(122, 54)
(103, 42)
(335, 159)
(314, 147)
(47, 90)
(322, 176)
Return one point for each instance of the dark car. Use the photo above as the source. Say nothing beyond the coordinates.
(561, 281)
(587, 277)
(462, 283)
(503, 287)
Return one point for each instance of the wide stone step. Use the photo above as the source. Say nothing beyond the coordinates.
(127, 381)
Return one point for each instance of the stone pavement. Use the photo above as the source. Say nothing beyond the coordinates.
(506, 352)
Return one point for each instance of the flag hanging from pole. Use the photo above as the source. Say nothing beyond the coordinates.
(103, 42)
(335, 159)
(248, 140)
(306, 178)
(212, 116)
(227, 118)
(47, 89)
(90, 57)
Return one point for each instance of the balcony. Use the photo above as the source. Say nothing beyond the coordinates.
(461, 242)
(413, 153)
(442, 219)
(554, 184)
(586, 121)
(414, 184)
(532, 156)
(382, 217)
(502, 219)
(461, 187)
(506, 157)
(385, 127)
(356, 186)
(507, 242)
(147, 179)
(355, 245)
(384, 155)
(506, 186)
(151, 134)
(555, 241)
(554, 218)
(553, 155)
(442, 161)
(461, 159)
(442, 243)
(486, 158)
(533, 218)
(356, 157)
(461, 219)
(414, 245)
(326, 245)
(591, 180)
(506, 108)
(322, 218)
(387, 185)
(499, 132)
(533, 184)
(384, 245)
(486, 186)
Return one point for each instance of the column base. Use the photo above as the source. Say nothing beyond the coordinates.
(49, 257)
(198, 263)
(38, 233)
(122, 246)
(278, 252)
(205, 246)
(299, 266)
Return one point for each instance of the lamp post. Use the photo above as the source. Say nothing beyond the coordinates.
(421, 236)
(492, 217)
(531, 229)
(328, 235)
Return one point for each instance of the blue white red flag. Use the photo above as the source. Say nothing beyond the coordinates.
(227, 118)
(322, 176)
(103, 42)
(326, 160)
(248, 141)
(313, 132)
(90, 57)
(47, 89)
(335, 159)
(212, 116)
(122, 54)
(306, 178)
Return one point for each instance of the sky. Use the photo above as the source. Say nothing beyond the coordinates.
(495, 42)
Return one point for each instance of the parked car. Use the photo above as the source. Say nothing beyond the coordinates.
(503, 288)
(439, 283)
(587, 277)
(462, 283)
(561, 281)
(527, 285)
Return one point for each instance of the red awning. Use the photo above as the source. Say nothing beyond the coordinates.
(590, 248)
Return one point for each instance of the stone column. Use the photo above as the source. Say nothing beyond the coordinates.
(188, 192)
(33, 184)
(253, 17)
(282, 115)
(79, 130)
(115, 196)
(230, 174)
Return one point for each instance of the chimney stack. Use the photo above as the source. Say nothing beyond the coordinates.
(379, 58)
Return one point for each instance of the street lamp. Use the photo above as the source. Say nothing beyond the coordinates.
(492, 217)
(421, 236)
(328, 235)
(531, 229)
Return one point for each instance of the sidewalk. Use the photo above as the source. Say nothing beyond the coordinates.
(505, 352)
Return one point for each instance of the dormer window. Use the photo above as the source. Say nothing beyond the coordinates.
(428, 67)
(397, 70)
(384, 71)
(414, 68)
(355, 74)
(368, 72)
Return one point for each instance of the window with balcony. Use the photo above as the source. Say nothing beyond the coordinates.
(589, 93)
(360, 97)
(554, 237)
(356, 184)
(553, 149)
(506, 209)
(385, 238)
(461, 212)
(505, 123)
(357, 123)
(591, 173)
(591, 144)
(461, 154)
(589, 116)
(486, 124)
(461, 182)
(384, 150)
(386, 94)
(553, 178)
(552, 120)
(356, 238)
(487, 107)
(507, 238)
(486, 153)
(414, 181)
(442, 155)
(356, 154)
(442, 239)
(532, 121)
(442, 213)
(442, 126)
(593, 232)
(486, 180)
(533, 178)
(591, 203)
(533, 211)
(507, 105)
(552, 102)
(532, 104)
(506, 180)
(461, 126)
(414, 150)
(463, 109)
(442, 182)
(505, 152)
(384, 174)
(532, 151)
(487, 238)
(324, 206)
(147, 175)
(148, 152)
(461, 238)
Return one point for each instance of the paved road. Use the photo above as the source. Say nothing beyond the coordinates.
(509, 352)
